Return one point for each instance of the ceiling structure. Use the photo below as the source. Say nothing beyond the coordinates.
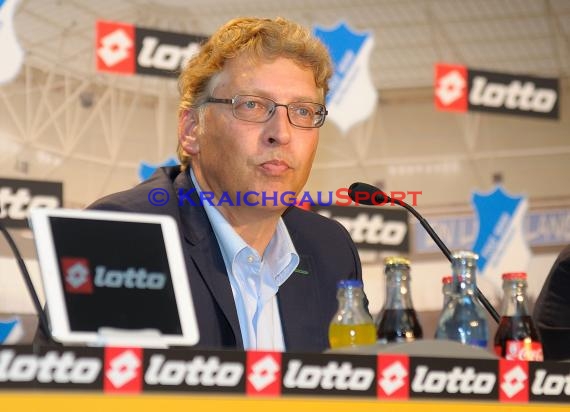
(520, 36)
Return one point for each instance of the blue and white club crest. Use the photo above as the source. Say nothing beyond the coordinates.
(147, 169)
(352, 96)
(500, 243)
(11, 330)
(11, 54)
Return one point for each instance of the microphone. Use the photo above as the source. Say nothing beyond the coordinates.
(376, 197)
(42, 318)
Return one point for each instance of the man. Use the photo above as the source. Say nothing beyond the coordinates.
(263, 275)
(552, 309)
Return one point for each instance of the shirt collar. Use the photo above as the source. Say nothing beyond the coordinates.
(280, 252)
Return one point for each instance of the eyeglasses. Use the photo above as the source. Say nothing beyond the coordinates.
(260, 109)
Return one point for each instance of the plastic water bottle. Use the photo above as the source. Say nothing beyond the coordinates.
(398, 321)
(352, 325)
(463, 319)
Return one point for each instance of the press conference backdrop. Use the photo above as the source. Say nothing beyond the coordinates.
(93, 132)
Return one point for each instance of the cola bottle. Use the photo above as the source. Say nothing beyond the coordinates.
(463, 319)
(351, 325)
(398, 321)
(517, 336)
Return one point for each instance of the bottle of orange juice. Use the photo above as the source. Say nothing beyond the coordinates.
(352, 325)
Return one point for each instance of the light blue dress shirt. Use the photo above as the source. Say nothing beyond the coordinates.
(255, 279)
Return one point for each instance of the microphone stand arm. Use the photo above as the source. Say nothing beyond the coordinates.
(42, 319)
(447, 254)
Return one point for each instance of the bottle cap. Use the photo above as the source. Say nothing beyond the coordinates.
(464, 254)
(396, 260)
(349, 283)
(514, 276)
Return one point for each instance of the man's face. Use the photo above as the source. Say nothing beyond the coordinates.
(231, 155)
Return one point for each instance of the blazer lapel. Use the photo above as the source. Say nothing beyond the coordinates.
(299, 307)
(205, 253)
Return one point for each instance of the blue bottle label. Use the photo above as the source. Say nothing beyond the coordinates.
(482, 343)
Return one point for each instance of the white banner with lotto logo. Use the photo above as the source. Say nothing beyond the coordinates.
(458, 88)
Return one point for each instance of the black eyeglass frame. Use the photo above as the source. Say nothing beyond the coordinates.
(323, 111)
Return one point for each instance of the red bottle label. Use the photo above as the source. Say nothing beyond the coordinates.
(521, 350)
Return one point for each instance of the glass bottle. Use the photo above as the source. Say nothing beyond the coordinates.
(517, 336)
(352, 325)
(398, 321)
(463, 319)
(446, 289)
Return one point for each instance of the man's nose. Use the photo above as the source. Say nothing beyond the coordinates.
(279, 125)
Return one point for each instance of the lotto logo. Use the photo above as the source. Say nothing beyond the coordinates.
(452, 378)
(200, 372)
(123, 372)
(451, 87)
(393, 376)
(547, 384)
(76, 275)
(373, 228)
(523, 95)
(263, 373)
(458, 88)
(115, 47)
(62, 368)
(18, 197)
(127, 49)
(340, 376)
(513, 376)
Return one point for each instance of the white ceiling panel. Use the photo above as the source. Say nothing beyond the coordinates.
(468, 10)
(396, 37)
(564, 22)
(31, 28)
(508, 50)
(489, 30)
(560, 5)
(410, 35)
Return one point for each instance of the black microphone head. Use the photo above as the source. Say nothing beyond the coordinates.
(366, 194)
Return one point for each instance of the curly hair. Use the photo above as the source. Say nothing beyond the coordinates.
(259, 38)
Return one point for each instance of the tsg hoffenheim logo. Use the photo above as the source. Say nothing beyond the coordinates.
(11, 54)
(147, 169)
(11, 330)
(352, 96)
(500, 243)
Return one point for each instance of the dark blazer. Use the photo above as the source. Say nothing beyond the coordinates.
(307, 300)
(552, 309)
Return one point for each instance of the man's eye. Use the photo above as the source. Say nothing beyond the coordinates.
(304, 111)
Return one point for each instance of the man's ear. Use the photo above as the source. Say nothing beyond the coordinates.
(188, 127)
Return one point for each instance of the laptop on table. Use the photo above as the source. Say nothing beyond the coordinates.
(114, 278)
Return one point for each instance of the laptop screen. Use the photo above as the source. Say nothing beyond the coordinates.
(115, 274)
(111, 270)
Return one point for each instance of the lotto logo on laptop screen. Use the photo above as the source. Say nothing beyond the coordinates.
(77, 277)
(115, 274)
